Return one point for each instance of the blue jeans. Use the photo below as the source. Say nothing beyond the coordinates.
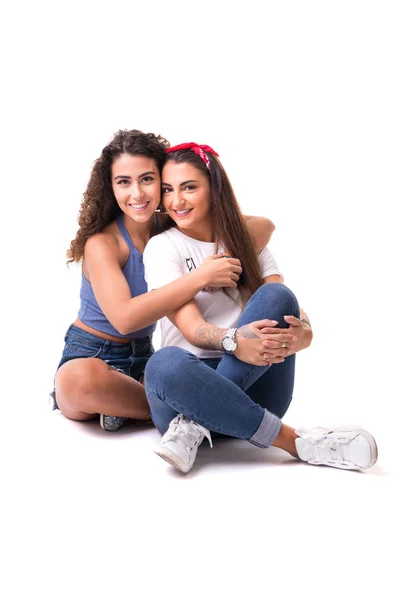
(129, 357)
(227, 396)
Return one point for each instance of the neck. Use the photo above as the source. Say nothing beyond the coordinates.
(203, 232)
(139, 231)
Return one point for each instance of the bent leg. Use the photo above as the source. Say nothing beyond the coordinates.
(88, 386)
(271, 301)
(274, 389)
(271, 386)
(178, 382)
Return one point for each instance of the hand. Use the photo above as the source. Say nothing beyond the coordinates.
(250, 339)
(221, 273)
(301, 332)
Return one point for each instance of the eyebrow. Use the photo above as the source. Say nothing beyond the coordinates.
(183, 182)
(129, 177)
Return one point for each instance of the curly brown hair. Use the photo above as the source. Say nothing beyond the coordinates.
(99, 207)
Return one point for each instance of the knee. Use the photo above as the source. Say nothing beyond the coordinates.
(281, 295)
(78, 378)
(165, 364)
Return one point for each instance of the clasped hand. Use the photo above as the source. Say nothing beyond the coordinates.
(262, 342)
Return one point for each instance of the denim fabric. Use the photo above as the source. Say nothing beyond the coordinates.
(129, 358)
(226, 395)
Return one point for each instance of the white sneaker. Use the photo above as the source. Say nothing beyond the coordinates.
(180, 443)
(351, 449)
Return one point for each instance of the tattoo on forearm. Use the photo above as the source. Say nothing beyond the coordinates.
(209, 337)
(245, 332)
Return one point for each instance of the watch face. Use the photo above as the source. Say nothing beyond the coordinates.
(229, 344)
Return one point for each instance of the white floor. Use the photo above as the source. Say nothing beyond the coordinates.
(91, 514)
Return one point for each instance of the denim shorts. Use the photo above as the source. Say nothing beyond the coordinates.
(129, 358)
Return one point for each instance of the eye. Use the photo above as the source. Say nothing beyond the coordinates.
(148, 179)
(166, 190)
(123, 182)
(189, 187)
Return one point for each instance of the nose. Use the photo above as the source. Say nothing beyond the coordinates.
(178, 199)
(137, 191)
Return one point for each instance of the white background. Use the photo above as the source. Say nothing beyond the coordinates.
(301, 100)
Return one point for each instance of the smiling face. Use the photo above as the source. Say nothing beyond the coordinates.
(187, 199)
(136, 186)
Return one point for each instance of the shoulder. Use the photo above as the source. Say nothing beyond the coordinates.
(103, 241)
(265, 253)
(105, 245)
(167, 239)
(161, 248)
(265, 257)
(267, 262)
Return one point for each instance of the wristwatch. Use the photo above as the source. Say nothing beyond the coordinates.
(228, 342)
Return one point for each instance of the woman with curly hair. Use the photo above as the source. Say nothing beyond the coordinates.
(109, 343)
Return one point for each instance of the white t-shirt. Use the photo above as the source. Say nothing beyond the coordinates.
(172, 254)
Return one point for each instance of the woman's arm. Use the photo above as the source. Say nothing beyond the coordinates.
(190, 322)
(192, 325)
(198, 332)
(254, 340)
(128, 314)
(260, 230)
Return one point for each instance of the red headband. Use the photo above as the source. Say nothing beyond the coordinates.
(200, 150)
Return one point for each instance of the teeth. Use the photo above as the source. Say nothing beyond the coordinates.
(137, 206)
(183, 212)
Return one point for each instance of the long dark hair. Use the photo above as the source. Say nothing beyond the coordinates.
(99, 207)
(229, 227)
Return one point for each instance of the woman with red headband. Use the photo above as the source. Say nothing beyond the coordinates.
(108, 345)
(228, 356)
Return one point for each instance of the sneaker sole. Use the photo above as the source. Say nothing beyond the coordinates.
(172, 459)
(374, 454)
(373, 447)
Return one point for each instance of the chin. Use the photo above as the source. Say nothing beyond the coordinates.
(188, 222)
(140, 218)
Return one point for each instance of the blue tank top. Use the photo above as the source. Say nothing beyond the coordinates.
(90, 312)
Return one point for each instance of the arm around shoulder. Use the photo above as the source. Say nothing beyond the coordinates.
(113, 294)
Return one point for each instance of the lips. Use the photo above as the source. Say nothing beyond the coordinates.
(183, 213)
(139, 207)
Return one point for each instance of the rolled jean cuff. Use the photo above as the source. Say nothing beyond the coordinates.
(267, 432)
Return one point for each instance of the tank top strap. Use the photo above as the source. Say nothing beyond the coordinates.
(125, 234)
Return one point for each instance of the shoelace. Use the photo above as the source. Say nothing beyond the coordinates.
(326, 449)
(190, 429)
